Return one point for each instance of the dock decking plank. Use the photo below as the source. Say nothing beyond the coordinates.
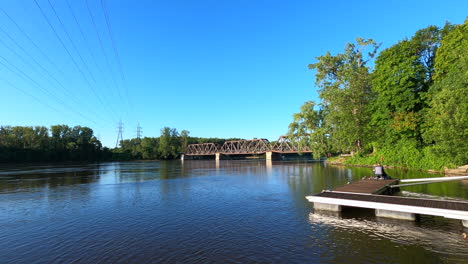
(367, 186)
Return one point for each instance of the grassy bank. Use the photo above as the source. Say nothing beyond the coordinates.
(401, 155)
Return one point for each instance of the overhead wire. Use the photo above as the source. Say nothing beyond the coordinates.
(41, 101)
(77, 51)
(29, 94)
(73, 60)
(47, 57)
(33, 42)
(116, 53)
(71, 42)
(100, 42)
(26, 77)
(90, 50)
(67, 93)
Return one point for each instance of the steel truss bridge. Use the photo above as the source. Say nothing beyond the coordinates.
(284, 144)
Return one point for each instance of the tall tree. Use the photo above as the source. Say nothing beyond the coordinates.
(345, 89)
(402, 76)
(447, 118)
(308, 127)
(184, 135)
(169, 144)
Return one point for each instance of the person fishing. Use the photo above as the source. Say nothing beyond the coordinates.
(379, 172)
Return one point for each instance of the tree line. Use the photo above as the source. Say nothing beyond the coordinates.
(57, 143)
(405, 105)
(61, 143)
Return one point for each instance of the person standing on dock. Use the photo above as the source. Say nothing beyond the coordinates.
(379, 172)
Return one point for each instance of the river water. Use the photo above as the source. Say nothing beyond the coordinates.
(209, 212)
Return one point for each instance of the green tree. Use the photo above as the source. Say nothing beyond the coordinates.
(447, 118)
(59, 143)
(169, 144)
(184, 135)
(149, 148)
(310, 122)
(402, 76)
(345, 89)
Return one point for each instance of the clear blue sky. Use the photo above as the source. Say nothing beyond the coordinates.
(215, 68)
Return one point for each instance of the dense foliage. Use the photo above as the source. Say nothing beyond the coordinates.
(410, 109)
(168, 146)
(59, 143)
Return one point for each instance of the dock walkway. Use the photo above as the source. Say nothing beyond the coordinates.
(368, 194)
(368, 186)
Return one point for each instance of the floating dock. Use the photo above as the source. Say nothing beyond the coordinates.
(368, 186)
(370, 194)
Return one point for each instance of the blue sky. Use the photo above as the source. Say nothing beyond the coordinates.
(215, 68)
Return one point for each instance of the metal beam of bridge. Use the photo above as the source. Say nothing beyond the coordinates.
(284, 144)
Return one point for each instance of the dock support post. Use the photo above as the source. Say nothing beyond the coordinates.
(465, 223)
(394, 214)
(327, 207)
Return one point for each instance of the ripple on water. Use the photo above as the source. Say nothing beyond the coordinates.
(202, 212)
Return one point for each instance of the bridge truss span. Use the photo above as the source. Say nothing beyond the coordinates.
(284, 144)
(202, 149)
(291, 144)
(253, 146)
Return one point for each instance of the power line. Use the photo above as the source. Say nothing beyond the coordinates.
(90, 50)
(71, 41)
(35, 61)
(59, 70)
(76, 50)
(71, 57)
(33, 42)
(101, 44)
(30, 95)
(114, 46)
(39, 100)
(24, 76)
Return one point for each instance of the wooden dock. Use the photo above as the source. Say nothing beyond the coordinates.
(368, 194)
(368, 186)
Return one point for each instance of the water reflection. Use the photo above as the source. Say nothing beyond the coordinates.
(32, 178)
(384, 234)
(207, 211)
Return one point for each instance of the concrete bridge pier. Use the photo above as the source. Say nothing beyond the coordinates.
(269, 166)
(217, 156)
(465, 223)
(182, 157)
(270, 155)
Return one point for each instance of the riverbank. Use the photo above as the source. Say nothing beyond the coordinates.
(345, 161)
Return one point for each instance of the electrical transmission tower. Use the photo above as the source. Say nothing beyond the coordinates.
(139, 131)
(119, 135)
